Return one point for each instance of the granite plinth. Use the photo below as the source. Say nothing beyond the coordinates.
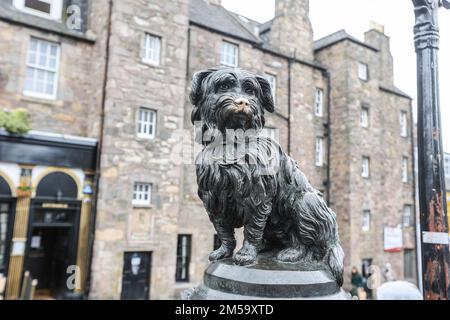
(267, 279)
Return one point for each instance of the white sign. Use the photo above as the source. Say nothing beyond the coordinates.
(393, 239)
(435, 237)
(18, 248)
(35, 242)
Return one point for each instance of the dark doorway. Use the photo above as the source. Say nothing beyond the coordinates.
(48, 259)
(136, 276)
(52, 246)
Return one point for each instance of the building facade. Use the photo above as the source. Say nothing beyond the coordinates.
(108, 169)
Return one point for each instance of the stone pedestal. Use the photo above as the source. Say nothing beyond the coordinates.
(267, 279)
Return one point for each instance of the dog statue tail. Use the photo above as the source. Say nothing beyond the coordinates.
(335, 261)
(318, 228)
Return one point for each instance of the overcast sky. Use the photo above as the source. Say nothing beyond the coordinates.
(328, 16)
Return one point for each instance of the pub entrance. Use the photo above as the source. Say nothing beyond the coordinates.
(52, 236)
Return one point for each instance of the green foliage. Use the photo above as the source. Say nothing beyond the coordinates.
(15, 121)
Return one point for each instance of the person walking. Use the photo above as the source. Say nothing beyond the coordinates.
(357, 283)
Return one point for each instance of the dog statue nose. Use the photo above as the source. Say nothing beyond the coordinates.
(242, 102)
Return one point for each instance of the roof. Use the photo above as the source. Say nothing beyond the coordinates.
(396, 91)
(217, 18)
(336, 37)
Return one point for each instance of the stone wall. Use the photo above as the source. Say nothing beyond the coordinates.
(76, 109)
(383, 193)
(126, 159)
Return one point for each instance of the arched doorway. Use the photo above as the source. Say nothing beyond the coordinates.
(53, 234)
(7, 204)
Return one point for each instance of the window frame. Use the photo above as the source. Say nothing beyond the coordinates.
(56, 8)
(183, 262)
(411, 218)
(10, 213)
(410, 264)
(145, 58)
(222, 55)
(144, 135)
(405, 171)
(318, 102)
(40, 95)
(366, 214)
(365, 176)
(140, 202)
(364, 109)
(273, 85)
(366, 67)
(319, 152)
(404, 124)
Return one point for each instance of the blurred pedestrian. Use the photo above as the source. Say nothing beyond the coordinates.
(357, 283)
(388, 274)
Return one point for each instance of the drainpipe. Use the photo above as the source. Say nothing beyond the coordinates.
(99, 153)
(328, 127)
(290, 61)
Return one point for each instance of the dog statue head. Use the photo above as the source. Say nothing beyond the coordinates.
(230, 98)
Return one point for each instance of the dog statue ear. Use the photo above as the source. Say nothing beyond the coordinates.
(197, 91)
(196, 85)
(266, 94)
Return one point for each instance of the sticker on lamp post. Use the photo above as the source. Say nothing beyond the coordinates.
(393, 239)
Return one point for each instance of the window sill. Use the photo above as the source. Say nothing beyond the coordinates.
(40, 100)
(152, 64)
(142, 206)
(142, 138)
(39, 96)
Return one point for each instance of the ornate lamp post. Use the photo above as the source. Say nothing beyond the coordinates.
(432, 200)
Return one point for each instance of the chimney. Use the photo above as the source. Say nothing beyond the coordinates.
(291, 31)
(376, 37)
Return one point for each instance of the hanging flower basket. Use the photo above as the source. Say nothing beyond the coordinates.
(24, 191)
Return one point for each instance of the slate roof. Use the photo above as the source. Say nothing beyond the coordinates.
(218, 18)
(336, 37)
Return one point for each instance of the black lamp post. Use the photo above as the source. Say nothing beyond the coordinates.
(432, 199)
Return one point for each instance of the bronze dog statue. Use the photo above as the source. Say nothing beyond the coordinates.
(247, 180)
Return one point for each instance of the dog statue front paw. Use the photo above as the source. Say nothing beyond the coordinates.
(222, 253)
(246, 255)
(290, 255)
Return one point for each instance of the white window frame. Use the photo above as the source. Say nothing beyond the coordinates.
(152, 54)
(141, 124)
(138, 197)
(405, 173)
(404, 124)
(272, 79)
(55, 9)
(35, 66)
(363, 71)
(364, 117)
(319, 152)
(365, 167)
(407, 216)
(366, 221)
(318, 103)
(226, 55)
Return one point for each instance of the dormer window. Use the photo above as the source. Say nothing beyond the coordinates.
(49, 9)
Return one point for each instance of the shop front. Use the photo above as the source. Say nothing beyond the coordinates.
(46, 193)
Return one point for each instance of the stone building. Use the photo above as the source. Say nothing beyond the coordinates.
(112, 135)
